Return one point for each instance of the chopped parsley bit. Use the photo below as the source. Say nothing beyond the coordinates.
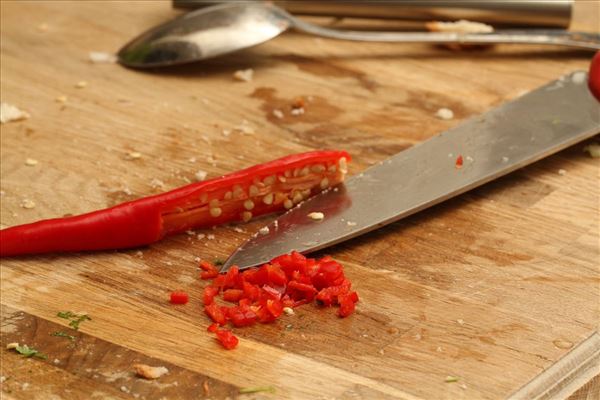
(451, 379)
(27, 351)
(63, 334)
(75, 319)
(218, 262)
(257, 389)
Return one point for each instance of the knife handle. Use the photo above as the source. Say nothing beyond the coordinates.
(548, 13)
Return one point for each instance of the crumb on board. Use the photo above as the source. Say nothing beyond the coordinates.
(101, 57)
(61, 99)
(264, 230)
(134, 155)
(593, 149)
(200, 175)
(12, 345)
(297, 111)
(277, 113)
(288, 310)
(81, 84)
(148, 372)
(30, 162)
(351, 223)
(316, 216)
(10, 113)
(451, 379)
(562, 172)
(504, 159)
(245, 128)
(28, 204)
(157, 183)
(445, 114)
(244, 75)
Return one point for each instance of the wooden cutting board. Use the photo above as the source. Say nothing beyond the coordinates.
(498, 288)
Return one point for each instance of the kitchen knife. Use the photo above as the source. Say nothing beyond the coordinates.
(515, 134)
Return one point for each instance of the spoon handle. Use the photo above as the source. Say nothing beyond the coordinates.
(588, 41)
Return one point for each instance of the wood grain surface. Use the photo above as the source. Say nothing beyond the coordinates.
(499, 288)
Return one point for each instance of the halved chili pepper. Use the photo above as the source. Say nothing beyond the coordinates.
(262, 189)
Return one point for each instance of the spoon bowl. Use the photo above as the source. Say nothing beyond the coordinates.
(205, 33)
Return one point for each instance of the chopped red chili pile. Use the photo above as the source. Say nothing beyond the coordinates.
(260, 294)
(178, 297)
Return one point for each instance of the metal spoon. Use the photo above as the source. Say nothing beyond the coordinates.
(225, 28)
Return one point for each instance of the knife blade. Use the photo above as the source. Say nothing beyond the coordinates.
(513, 135)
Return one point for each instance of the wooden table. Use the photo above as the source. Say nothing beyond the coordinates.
(498, 288)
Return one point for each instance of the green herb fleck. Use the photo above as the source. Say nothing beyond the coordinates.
(27, 351)
(75, 319)
(218, 262)
(257, 389)
(451, 379)
(63, 334)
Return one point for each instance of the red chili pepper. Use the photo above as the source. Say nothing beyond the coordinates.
(594, 76)
(287, 281)
(262, 189)
(209, 294)
(209, 271)
(178, 297)
(459, 162)
(227, 339)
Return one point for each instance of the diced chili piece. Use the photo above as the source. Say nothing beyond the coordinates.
(271, 292)
(233, 295)
(275, 275)
(227, 339)
(275, 307)
(303, 287)
(251, 292)
(209, 271)
(179, 297)
(459, 162)
(213, 327)
(230, 279)
(346, 306)
(242, 316)
(215, 313)
(209, 294)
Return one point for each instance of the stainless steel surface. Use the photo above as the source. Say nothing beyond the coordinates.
(547, 13)
(225, 28)
(502, 140)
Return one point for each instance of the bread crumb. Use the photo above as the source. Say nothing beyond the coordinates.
(30, 162)
(245, 128)
(9, 113)
(148, 372)
(444, 113)
(460, 321)
(244, 75)
(210, 236)
(317, 216)
(81, 84)
(200, 175)
(2, 379)
(264, 230)
(61, 99)
(27, 204)
(461, 26)
(277, 113)
(157, 183)
(562, 172)
(124, 389)
(226, 132)
(593, 149)
(134, 155)
(100, 57)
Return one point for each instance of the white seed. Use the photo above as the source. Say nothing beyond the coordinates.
(324, 183)
(343, 165)
(288, 204)
(134, 155)
(305, 193)
(100, 57)
(332, 168)
(215, 212)
(350, 223)
(244, 75)
(317, 168)
(296, 172)
(297, 197)
(264, 230)
(317, 216)
(578, 77)
(278, 113)
(297, 111)
(444, 113)
(213, 203)
(248, 204)
(31, 162)
(246, 216)
(238, 192)
(268, 199)
(288, 310)
(269, 180)
(200, 175)
(203, 198)
(253, 191)
(304, 171)
(282, 179)
(228, 195)
(287, 173)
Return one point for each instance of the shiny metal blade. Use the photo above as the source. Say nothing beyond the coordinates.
(502, 140)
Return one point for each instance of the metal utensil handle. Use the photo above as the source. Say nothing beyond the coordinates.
(547, 13)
